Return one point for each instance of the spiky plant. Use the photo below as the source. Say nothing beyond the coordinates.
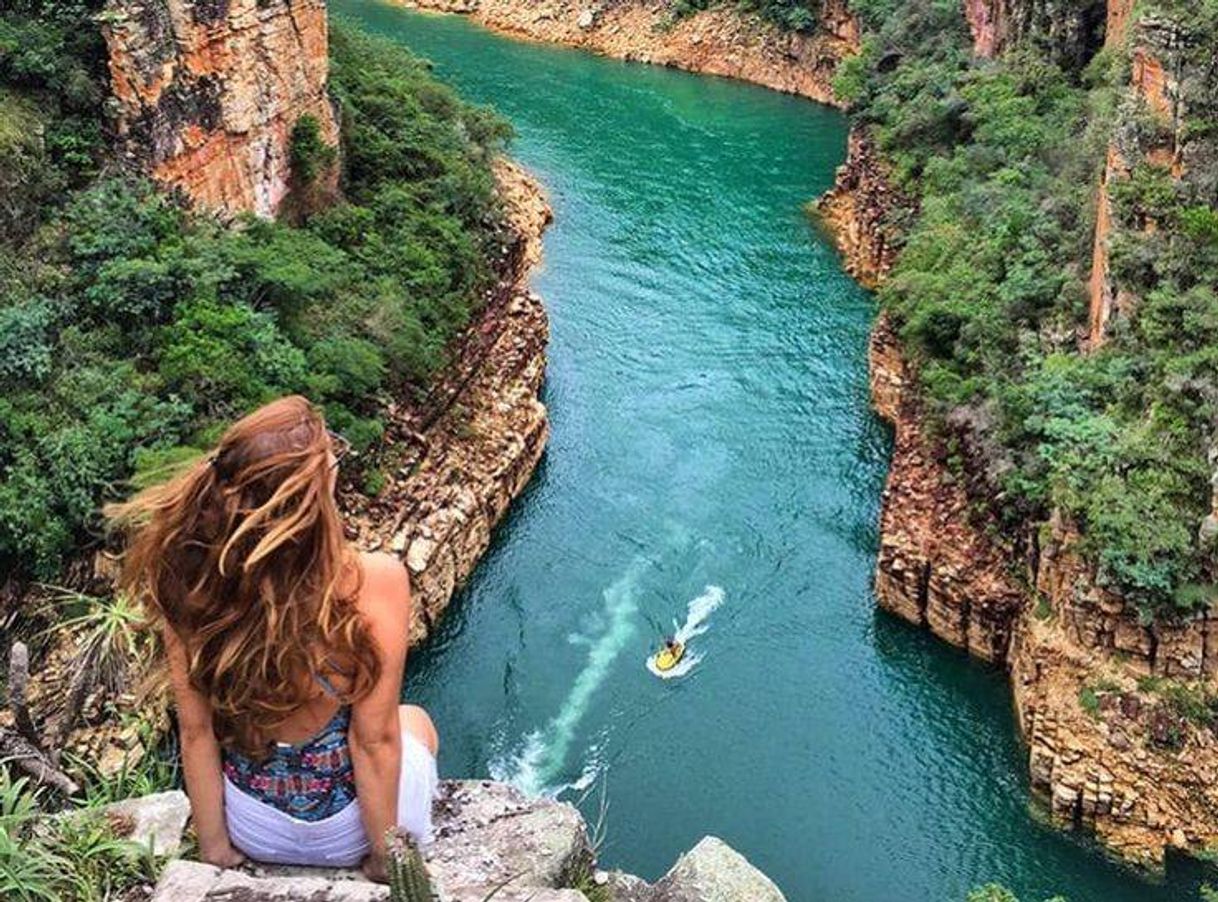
(111, 639)
(408, 877)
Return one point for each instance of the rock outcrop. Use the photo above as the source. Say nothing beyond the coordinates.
(491, 842)
(715, 41)
(468, 450)
(1069, 30)
(935, 568)
(208, 92)
(857, 211)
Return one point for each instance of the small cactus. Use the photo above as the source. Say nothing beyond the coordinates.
(408, 877)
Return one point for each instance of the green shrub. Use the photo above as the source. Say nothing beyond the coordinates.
(310, 154)
(132, 330)
(1001, 159)
(791, 15)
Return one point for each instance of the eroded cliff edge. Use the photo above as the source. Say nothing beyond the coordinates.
(716, 41)
(468, 450)
(207, 93)
(1107, 749)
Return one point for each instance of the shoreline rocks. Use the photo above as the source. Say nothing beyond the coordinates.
(716, 41)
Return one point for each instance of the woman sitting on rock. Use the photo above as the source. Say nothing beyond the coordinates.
(286, 649)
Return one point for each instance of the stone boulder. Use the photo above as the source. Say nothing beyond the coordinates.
(490, 834)
(154, 822)
(491, 841)
(714, 872)
(489, 838)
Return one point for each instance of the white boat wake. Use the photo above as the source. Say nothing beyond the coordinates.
(695, 624)
(542, 759)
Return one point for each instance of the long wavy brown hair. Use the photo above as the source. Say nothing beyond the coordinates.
(243, 557)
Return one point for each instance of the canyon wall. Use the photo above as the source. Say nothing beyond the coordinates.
(208, 91)
(716, 41)
(856, 211)
(1097, 693)
(1068, 30)
(1107, 749)
(472, 446)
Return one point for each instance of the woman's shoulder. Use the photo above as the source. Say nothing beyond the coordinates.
(384, 582)
(380, 565)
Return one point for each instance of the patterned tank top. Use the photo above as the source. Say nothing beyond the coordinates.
(310, 781)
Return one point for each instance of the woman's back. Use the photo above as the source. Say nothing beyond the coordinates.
(286, 650)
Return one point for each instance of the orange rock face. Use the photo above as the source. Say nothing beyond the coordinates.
(1151, 81)
(984, 21)
(853, 211)
(209, 90)
(1102, 297)
(934, 567)
(1116, 25)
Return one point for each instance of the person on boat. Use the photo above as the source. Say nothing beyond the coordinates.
(672, 644)
(286, 649)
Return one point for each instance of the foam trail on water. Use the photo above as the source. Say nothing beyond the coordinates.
(697, 614)
(544, 753)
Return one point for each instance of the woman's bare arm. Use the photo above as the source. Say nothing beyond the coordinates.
(376, 731)
(200, 761)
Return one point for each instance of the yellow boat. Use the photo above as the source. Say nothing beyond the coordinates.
(669, 657)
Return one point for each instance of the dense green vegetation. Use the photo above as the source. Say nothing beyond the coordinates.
(793, 15)
(1001, 159)
(132, 330)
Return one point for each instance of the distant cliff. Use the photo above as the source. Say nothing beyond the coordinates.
(1069, 30)
(208, 92)
(715, 41)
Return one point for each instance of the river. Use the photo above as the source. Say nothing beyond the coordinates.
(712, 440)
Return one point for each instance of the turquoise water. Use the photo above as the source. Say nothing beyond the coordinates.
(712, 439)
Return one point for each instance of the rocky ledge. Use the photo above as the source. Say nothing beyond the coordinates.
(463, 454)
(491, 841)
(716, 41)
(858, 209)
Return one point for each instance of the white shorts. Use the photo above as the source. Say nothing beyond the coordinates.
(269, 835)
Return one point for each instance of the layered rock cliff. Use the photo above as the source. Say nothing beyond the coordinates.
(470, 448)
(208, 92)
(1069, 30)
(1106, 702)
(1096, 691)
(858, 209)
(715, 41)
